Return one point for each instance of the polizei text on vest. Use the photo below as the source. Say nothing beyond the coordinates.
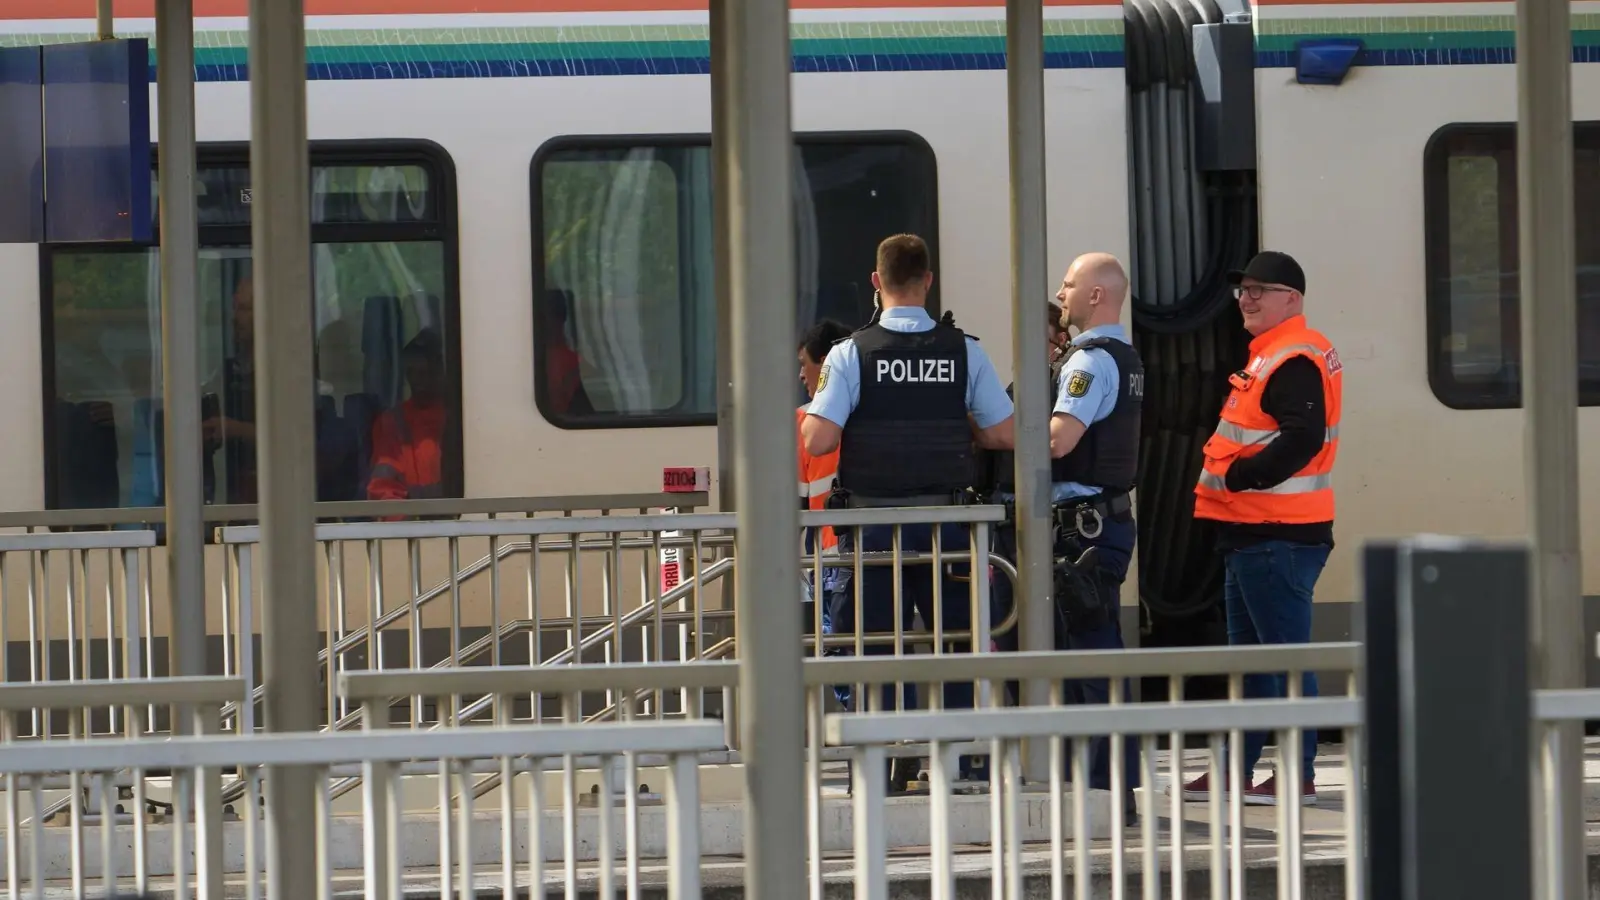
(913, 371)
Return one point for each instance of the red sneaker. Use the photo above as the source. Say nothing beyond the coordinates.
(1266, 793)
(1199, 790)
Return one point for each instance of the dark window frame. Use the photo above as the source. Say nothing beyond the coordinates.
(443, 229)
(1436, 158)
(680, 140)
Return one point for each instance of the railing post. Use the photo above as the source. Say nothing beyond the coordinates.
(1446, 698)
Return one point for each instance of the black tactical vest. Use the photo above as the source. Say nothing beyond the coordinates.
(1107, 456)
(908, 435)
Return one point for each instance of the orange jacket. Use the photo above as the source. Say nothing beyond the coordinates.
(1307, 496)
(816, 479)
(407, 451)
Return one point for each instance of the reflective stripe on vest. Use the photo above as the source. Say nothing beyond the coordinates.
(1245, 429)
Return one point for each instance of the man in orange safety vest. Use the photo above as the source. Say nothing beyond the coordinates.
(1267, 483)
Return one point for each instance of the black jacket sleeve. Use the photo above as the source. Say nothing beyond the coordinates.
(1293, 397)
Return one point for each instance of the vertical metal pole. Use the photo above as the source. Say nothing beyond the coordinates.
(722, 186)
(103, 19)
(1550, 398)
(1025, 94)
(180, 364)
(760, 213)
(281, 233)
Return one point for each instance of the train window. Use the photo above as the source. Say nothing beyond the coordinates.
(1474, 324)
(625, 312)
(388, 402)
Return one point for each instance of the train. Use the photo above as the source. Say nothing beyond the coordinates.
(531, 179)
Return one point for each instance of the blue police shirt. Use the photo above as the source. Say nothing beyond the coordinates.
(1097, 401)
(839, 384)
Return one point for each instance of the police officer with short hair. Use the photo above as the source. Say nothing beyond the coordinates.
(1098, 391)
(905, 399)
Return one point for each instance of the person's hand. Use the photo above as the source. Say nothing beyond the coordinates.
(218, 427)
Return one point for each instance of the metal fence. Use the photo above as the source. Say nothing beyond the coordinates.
(525, 839)
(459, 766)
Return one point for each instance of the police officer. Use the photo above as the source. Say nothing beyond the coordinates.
(1098, 391)
(905, 399)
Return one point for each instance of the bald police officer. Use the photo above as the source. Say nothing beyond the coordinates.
(1097, 388)
(905, 399)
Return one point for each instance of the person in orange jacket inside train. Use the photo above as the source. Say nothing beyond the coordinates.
(408, 441)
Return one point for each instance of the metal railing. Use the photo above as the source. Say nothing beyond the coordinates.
(959, 818)
(82, 593)
(518, 753)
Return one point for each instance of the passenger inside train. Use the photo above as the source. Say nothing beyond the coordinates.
(408, 440)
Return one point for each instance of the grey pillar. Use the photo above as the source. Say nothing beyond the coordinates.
(721, 187)
(281, 234)
(1447, 700)
(759, 140)
(1550, 398)
(727, 499)
(1025, 93)
(180, 376)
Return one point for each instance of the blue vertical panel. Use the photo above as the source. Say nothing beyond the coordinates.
(97, 141)
(21, 146)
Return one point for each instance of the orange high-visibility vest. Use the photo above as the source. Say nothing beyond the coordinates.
(816, 479)
(407, 454)
(1307, 496)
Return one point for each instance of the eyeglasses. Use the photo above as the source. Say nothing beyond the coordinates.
(1256, 290)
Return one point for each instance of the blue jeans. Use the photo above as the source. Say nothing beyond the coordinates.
(1268, 590)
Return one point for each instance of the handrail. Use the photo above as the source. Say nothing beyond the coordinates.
(363, 635)
(360, 509)
(680, 591)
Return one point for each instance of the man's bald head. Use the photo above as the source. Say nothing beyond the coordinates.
(1093, 290)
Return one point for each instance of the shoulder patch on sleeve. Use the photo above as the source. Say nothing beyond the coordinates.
(822, 377)
(1078, 383)
(1332, 357)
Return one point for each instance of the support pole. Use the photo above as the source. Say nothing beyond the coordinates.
(103, 20)
(754, 101)
(1550, 398)
(180, 366)
(1025, 95)
(722, 186)
(281, 234)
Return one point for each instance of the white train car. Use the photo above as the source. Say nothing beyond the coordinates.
(531, 178)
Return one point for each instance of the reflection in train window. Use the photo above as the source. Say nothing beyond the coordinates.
(387, 375)
(1474, 324)
(625, 313)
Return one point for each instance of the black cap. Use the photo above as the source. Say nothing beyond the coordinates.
(1272, 267)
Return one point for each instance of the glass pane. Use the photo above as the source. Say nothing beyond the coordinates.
(616, 239)
(343, 194)
(382, 392)
(339, 195)
(626, 312)
(1474, 343)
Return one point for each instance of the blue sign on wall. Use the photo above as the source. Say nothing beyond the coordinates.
(21, 146)
(97, 141)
